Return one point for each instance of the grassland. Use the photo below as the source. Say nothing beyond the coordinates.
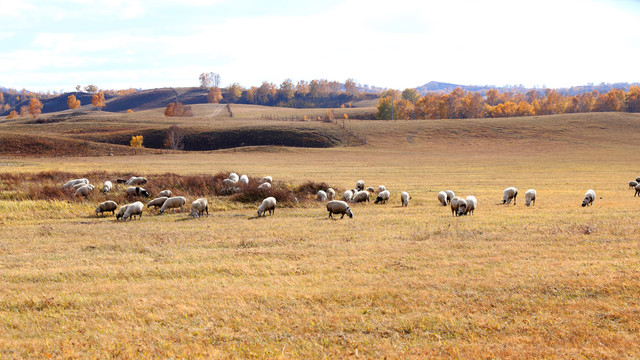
(551, 281)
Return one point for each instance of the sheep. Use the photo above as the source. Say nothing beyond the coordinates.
(79, 185)
(265, 186)
(382, 197)
(244, 180)
(106, 207)
(455, 204)
(137, 191)
(133, 210)
(107, 186)
(339, 207)
(69, 184)
(198, 207)
(165, 193)
(84, 190)
(321, 196)
(121, 211)
(347, 195)
(508, 194)
(268, 179)
(371, 189)
(360, 185)
(638, 179)
(442, 197)
(136, 180)
(331, 194)
(233, 176)
(173, 203)
(632, 184)
(404, 198)
(450, 195)
(471, 204)
(229, 183)
(530, 197)
(381, 188)
(360, 196)
(157, 202)
(268, 204)
(589, 197)
(637, 190)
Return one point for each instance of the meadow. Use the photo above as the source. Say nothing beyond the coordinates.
(554, 280)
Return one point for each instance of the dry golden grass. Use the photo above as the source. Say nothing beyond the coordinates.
(554, 280)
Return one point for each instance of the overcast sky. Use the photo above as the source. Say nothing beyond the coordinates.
(116, 44)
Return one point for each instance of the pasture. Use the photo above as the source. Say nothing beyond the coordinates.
(554, 280)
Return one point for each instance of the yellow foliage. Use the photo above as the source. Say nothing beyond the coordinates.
(136, 141)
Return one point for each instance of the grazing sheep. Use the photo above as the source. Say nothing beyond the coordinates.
(157, 202)
(442, 197)
(198, 207)
(632, 184)
(339, 207)
(589, 197)
(508, 194)
(79, 185)
(107, 186)
(331, 194)
(268, 204)
(229, 183)
(371, 189)
(84, 190)
(471, 204)
(383, 197)
(137, 191)
(233, 176)
(637, 190)
(173, 203)
(133, 210)
(404, 198)
(529, 197)
(360, 185)
(165, 193)
(121, 211)
(638, 179)
(360, 196)
(136, 180)
(450, 195)
(347, 195)
(106, 207)
(321, 196)
(244, 180)
(455, 204)
(268, 179)
(381, 188)
(71, 183)
(265, 186)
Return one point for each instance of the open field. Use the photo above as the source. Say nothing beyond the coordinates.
(554, 280)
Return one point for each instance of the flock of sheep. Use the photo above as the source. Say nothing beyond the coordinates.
(165, 201)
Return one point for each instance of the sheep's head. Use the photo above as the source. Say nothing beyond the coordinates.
(462, 208)
(349, 213)
(586, 201)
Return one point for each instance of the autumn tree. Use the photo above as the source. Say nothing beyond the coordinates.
(91, 89)
(35, 107)
(266, 92)
(24, 110)
(215, 95)
(208, 80)
(12, 114)
(98, 100)
(73, 102)
(411, 95)
(350, 87)
(174, 139)
(180, 111)
(136, 142)
(632, 99)
(302, 88)
(1, 98)
(234, 92)
(386, 110)
(251, 95)
(287, 90)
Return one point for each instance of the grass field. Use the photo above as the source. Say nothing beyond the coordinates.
(554, 280)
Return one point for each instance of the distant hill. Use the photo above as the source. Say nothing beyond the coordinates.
(442, 87)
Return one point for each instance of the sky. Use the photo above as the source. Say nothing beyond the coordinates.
(118, 44)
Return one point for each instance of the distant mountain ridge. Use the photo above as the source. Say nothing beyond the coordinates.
(443, 87)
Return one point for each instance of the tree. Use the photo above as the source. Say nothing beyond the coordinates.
(302, 88)
(136, 142)
(78, 87)
(215, 95)
(180, 111)
(73, 102)
(411, 95)
(632, 99)
(266, 92)
(287, 90)
(24, 110)
(12, 114)
(174, 139)
(386, 108)
(234, 92)
(35, 107)
(91, 89)
(98, 100)
(1, 98)
(209, 79)
(350, 87)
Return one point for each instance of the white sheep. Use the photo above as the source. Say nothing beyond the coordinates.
(331, 194)
(79, 185)
(360, 185)
(371, 189)
(137, 191)
(165, 193)
(450, 195)
(360, 196)
(106, 207)
(233, 176)
(69, 184)
(265, 186)
(381, 188)
(339, 207)
(471, 204)
(455, 204)
(173, 203)
(589, 197)
(268, 179)
(107, 186)
(321, 196)
(244, 180)
(198, 207)
(530, 197)
(442, 197)
(404, 198)
(268, 204)
(136, 180)
(157, 202)
(229, 183)
(133, 210)
(637, 190)
(383, 197)
(84, 190)
(121, 211)
(508, 194)
(347, 195)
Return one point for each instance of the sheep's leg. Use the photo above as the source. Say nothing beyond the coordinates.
(342, 217)
(514, 198)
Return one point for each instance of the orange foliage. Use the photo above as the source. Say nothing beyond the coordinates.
(73, 102)
(12, 114)
(35, 107)
(98, 100)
